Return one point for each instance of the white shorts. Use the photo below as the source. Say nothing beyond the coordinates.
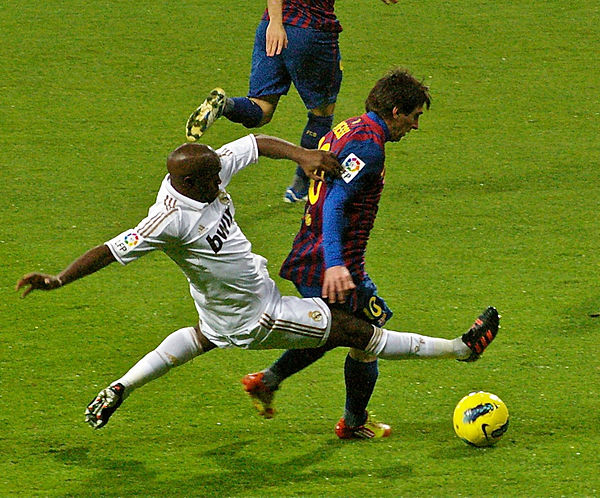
(288, 322)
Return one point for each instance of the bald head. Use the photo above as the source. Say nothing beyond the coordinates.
(191, 159)
(194, 171)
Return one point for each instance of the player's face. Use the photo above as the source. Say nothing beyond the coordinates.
(402, 124)
(206, 184)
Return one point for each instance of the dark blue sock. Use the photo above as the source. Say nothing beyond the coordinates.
(243, 110)
(294, 360)
(316, 128)
(360, 382)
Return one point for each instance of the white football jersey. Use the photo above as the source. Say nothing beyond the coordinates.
(228, 282)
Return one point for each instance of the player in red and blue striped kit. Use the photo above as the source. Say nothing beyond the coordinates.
(315, 14)
(296, 42)
(341, 212)
(328, 254)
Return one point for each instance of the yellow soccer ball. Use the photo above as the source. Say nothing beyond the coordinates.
(480, 419)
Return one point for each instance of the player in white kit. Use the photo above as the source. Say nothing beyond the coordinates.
(207, 244)
(239, 305)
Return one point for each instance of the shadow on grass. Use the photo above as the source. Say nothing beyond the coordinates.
(234, 471)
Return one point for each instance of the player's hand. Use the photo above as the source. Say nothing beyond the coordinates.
(38, 281)
(337, 284)
(389, 2)
(276, 39)
(317, 161)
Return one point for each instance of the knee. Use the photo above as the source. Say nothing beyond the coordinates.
(265, 119)
(268, 105)
(358, 355)
(347, 330)
(324, 110)
(203, 341)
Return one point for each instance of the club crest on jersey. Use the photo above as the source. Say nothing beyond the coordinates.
(317, 316)
(351, 167)
(224, 197)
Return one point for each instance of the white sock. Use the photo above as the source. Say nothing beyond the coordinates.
(391, 345)
(178, 348)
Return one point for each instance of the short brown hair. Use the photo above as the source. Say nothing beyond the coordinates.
(398, 88)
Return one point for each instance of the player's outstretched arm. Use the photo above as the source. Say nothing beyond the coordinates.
(311, 161)
(314, 162)
(93, 260)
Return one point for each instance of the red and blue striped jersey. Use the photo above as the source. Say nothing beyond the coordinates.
(340, 212)
(315, 14)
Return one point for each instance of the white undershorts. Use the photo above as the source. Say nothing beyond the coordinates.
(288, 322)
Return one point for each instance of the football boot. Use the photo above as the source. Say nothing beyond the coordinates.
(291, 195)
(104, 405)
(481, 333)
(208, 112)
(368, 430)
(261, 395)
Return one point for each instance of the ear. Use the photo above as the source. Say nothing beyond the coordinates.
(395, 112)
(189, 181)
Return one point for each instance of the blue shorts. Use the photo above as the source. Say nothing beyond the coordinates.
(364, 303)
(311, 61)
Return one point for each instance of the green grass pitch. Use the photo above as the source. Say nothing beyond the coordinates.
(494, 201)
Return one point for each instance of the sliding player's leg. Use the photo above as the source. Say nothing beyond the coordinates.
(178, 348)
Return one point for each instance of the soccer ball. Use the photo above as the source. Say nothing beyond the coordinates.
(480, 419)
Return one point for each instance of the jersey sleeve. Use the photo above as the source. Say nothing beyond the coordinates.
(235, 156)
(333, 225)
(152, 233)
(360, 165)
